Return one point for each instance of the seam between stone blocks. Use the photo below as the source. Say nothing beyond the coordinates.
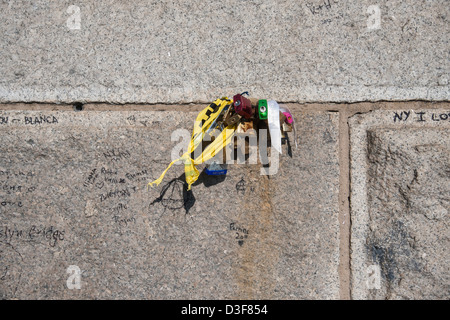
(357, 106)
(344, 208)
(206, 103)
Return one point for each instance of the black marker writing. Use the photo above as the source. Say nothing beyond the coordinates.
(115, 194)
(4, 120)
(117, 155)
(34, 233)
(40, 120)
(403, 116)
(420, 114)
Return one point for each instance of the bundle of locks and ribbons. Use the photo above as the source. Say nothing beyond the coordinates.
(217, 125)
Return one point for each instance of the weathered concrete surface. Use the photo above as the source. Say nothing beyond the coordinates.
(169, 52)
(400, 199)
(73, 193)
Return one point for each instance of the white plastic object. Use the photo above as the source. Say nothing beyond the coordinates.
(273, 117)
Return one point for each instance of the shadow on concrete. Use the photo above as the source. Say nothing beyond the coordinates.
(174, 194)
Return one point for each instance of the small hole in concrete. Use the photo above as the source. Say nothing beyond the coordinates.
(78, 106)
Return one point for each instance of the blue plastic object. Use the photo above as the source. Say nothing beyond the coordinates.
(216, 169)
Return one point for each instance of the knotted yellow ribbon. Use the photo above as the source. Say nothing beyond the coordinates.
(202, 123)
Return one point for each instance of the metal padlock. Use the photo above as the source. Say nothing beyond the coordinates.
(218, 122)
(283, 137)
(287, 127)
(244, 126)
(233, 119)
(262, 109)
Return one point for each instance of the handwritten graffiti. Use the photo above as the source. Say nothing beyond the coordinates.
(420, 116)
(241, 233)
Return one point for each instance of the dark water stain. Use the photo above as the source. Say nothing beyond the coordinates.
(394, 253)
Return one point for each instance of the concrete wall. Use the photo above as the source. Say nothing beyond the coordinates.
(358, 211)
(178, 52)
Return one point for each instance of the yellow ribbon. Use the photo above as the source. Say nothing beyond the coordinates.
(202, 123)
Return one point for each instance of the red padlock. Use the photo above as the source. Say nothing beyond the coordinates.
(243, 106)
